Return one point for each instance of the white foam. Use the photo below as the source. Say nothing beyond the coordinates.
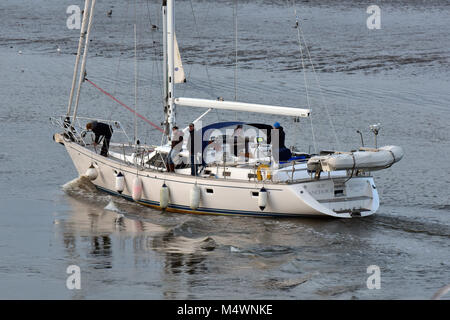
(80, 183)
(234, 249)
(111, 206)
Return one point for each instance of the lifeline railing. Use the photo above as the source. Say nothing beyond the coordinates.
(77, 131)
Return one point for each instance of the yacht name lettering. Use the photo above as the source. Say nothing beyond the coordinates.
(321, 191)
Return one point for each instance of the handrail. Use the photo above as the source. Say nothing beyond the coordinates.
(77, 130)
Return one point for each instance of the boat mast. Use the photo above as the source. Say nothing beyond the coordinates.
(165, 84)
(135, 80)
(77, 61)
(83, 63)
(170, 30)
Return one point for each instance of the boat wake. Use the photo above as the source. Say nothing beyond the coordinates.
(83, 188)
(413, 226)
(445, 207)
(286, 284)
(111, 206)
(184, 245)
(81, 183)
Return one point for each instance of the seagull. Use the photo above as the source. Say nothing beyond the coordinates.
(20, 51)
(58, 50)
(109, 13)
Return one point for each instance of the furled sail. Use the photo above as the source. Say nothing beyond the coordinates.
(178, 65)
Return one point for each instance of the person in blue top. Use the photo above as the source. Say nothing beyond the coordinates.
(279, 151)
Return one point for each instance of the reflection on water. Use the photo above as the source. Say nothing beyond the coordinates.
(104, 236)
(101, 247)
(186, 251)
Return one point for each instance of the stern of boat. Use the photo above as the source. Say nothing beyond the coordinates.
(341, 197)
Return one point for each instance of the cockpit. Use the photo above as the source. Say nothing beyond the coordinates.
(224, 144)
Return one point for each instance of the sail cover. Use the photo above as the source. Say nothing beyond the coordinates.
(178, 65)
(242, 106)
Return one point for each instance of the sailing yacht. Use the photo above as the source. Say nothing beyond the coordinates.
(239, 174)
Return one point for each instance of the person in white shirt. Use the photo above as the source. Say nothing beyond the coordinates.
(177, 144)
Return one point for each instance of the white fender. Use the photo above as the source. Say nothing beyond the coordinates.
(120, 182)
(195, 197)
(262, 198)
(137, 189)
(164, 197)
(91, 172)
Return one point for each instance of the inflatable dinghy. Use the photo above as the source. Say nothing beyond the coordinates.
(365, 159)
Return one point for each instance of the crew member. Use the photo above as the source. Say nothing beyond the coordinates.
(101, 130)
(237, 137)
(177, 138)
(191, 148)
(279, 152)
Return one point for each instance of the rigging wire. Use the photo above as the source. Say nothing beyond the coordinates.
(236, 48)
(155, 60)
(235, 52)
(136, 146)
(122, 49)
(118, 64)
(300, 32)
(212, 93)
(155, 49)
(124, 105)
(300, 37)
(135, 76)
(199, 37)
(135, 83)
(305, 80)
(321, 93)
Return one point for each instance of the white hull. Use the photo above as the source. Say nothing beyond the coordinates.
(234, 197)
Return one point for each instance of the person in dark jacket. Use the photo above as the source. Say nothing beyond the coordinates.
(100, 130)
(237, 139)
(191, 148)
(280, 152)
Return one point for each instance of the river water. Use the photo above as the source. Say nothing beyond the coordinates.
(397, 75)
